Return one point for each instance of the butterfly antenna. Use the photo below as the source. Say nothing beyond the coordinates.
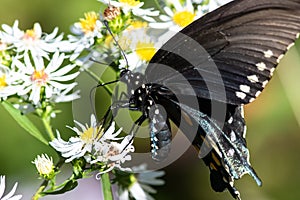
(113, 37)
(96, 61)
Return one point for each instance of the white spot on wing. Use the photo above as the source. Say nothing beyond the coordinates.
(261, 66)
(290, 46)
(245, 88)
(265, 83)
(279, 58)
(242, 112)
(251, 100)
(258, 93)
(230, 120)
(241, 95)
(268, 54)
(230, 152)
(245, 131)
(298, 35)
(150, 102)
(253, 78)
(232, 136)
(272, 71)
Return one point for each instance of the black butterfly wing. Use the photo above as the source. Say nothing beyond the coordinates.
(223, 150)
(245, 39)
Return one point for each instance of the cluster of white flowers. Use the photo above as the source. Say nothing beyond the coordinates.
(31, 66)
(138, 43)
(96, 145)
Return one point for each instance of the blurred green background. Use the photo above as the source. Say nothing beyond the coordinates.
(273, 126)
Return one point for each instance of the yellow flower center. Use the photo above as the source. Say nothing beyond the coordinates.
(30, 34)
(130, 2)
(183, 18)
(3, 81)
(89, 135)
(137, 25)
(88, 23)
(39, 77)
(108, 40)
(145, 50)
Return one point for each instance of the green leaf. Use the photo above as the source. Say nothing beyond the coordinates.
(68, 186)
(24, 122)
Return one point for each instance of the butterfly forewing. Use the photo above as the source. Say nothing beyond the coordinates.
(246, 40)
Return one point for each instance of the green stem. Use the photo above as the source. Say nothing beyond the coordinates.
(37, 195)
(48, 127)
(106, 186)
(44, 184)
(159, 6)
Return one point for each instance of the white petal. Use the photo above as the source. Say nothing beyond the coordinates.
(63, 70)
(137, 192)
(124, 195)
(177, 5)
(48, 91)
(37, 29)
(11, 193)
(2, 185)
(52, 35)
(169, 11)
(59, 86)
(35, 94)
(65, 77)
(55, 63)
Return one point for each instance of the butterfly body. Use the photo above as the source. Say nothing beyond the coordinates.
(221, 61)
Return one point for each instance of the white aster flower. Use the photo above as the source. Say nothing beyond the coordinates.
(85, 31)
(51, 78)
(78, 146)
(31, 40)
(133, 6)
(44, 165)
(9, 82)
(177, 16)
(140, 187)
(113, 153)
(142, 48)
(9, 196)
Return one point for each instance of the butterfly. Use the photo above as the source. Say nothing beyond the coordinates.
(201, 78)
